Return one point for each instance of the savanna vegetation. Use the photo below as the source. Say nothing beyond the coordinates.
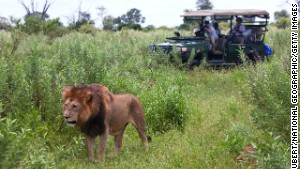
(197, 119)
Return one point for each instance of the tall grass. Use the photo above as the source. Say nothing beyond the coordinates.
(198, 119)
(270, 93)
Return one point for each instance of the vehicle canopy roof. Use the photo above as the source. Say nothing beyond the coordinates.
(226, 12)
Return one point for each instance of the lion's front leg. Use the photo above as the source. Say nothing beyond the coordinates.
(90, 142)
(102, 146)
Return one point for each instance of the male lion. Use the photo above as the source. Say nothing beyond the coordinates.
(96, 111)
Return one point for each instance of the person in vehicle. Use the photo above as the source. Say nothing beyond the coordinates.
(211, 33)
(237, 31)
(218, 31)
(238, 28)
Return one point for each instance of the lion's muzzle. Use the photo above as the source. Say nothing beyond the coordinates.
(70, 121)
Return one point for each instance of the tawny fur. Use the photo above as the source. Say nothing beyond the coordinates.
(98, 112)
(247, 156)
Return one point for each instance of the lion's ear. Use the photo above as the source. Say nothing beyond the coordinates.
(89, 96)
(66, 91)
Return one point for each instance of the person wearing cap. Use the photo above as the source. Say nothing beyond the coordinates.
(238, 28)
(211, 33)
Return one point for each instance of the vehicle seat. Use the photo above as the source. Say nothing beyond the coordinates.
(219, 49)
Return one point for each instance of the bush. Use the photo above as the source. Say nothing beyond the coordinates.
(88, 29)
(283, 23)
(53, 28)
(269, 84)
(32, 25)
(272, 152)
(165, 104)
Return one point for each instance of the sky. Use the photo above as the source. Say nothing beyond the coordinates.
(157, 12)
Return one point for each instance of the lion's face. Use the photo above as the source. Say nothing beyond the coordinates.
(71, 111)
(76, 109)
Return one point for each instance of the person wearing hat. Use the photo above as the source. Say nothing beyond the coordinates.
(211, 33)
(238, 28)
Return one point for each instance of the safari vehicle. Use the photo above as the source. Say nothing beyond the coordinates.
(227, 51)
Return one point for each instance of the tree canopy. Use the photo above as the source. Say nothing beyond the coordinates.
(132, 20)
(34, 12)
(279, 14)
(133, 16)
(204, 4)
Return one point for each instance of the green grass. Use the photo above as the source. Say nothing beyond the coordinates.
(197, 119)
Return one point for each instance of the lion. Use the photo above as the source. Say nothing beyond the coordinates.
(98, 112)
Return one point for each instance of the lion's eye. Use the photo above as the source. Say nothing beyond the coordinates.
(74, 107)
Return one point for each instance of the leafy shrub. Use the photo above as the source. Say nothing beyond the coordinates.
(53, 28)
(88, 29)
(283, 23)
(32, 25)
(269, 85)
(236, 138)
(165, 104)
(14, 140)
(272, 152)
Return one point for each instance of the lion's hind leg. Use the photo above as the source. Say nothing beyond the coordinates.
(141, 129)
(142, 133)
(138, 120)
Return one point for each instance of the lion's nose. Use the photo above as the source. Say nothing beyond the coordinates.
(66, 116)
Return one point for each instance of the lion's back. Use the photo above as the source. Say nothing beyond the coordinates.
(126, 108)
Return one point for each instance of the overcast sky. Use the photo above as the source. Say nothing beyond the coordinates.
(157, 12)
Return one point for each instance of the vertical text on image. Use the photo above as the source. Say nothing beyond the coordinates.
(294, 86)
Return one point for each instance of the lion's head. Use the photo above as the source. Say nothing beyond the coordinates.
(83, 102)
(76, 105)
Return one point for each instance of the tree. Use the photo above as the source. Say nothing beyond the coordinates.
(282, 19)
(82, 18)
(38, 21)
(4, 24)
(133, 16)
(149, 28)
(204, 4)
(33, 12)
(108, 22)
(279, 14)
(15, 22)
(132, 20)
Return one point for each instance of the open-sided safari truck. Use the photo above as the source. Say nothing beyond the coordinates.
(228, 50)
